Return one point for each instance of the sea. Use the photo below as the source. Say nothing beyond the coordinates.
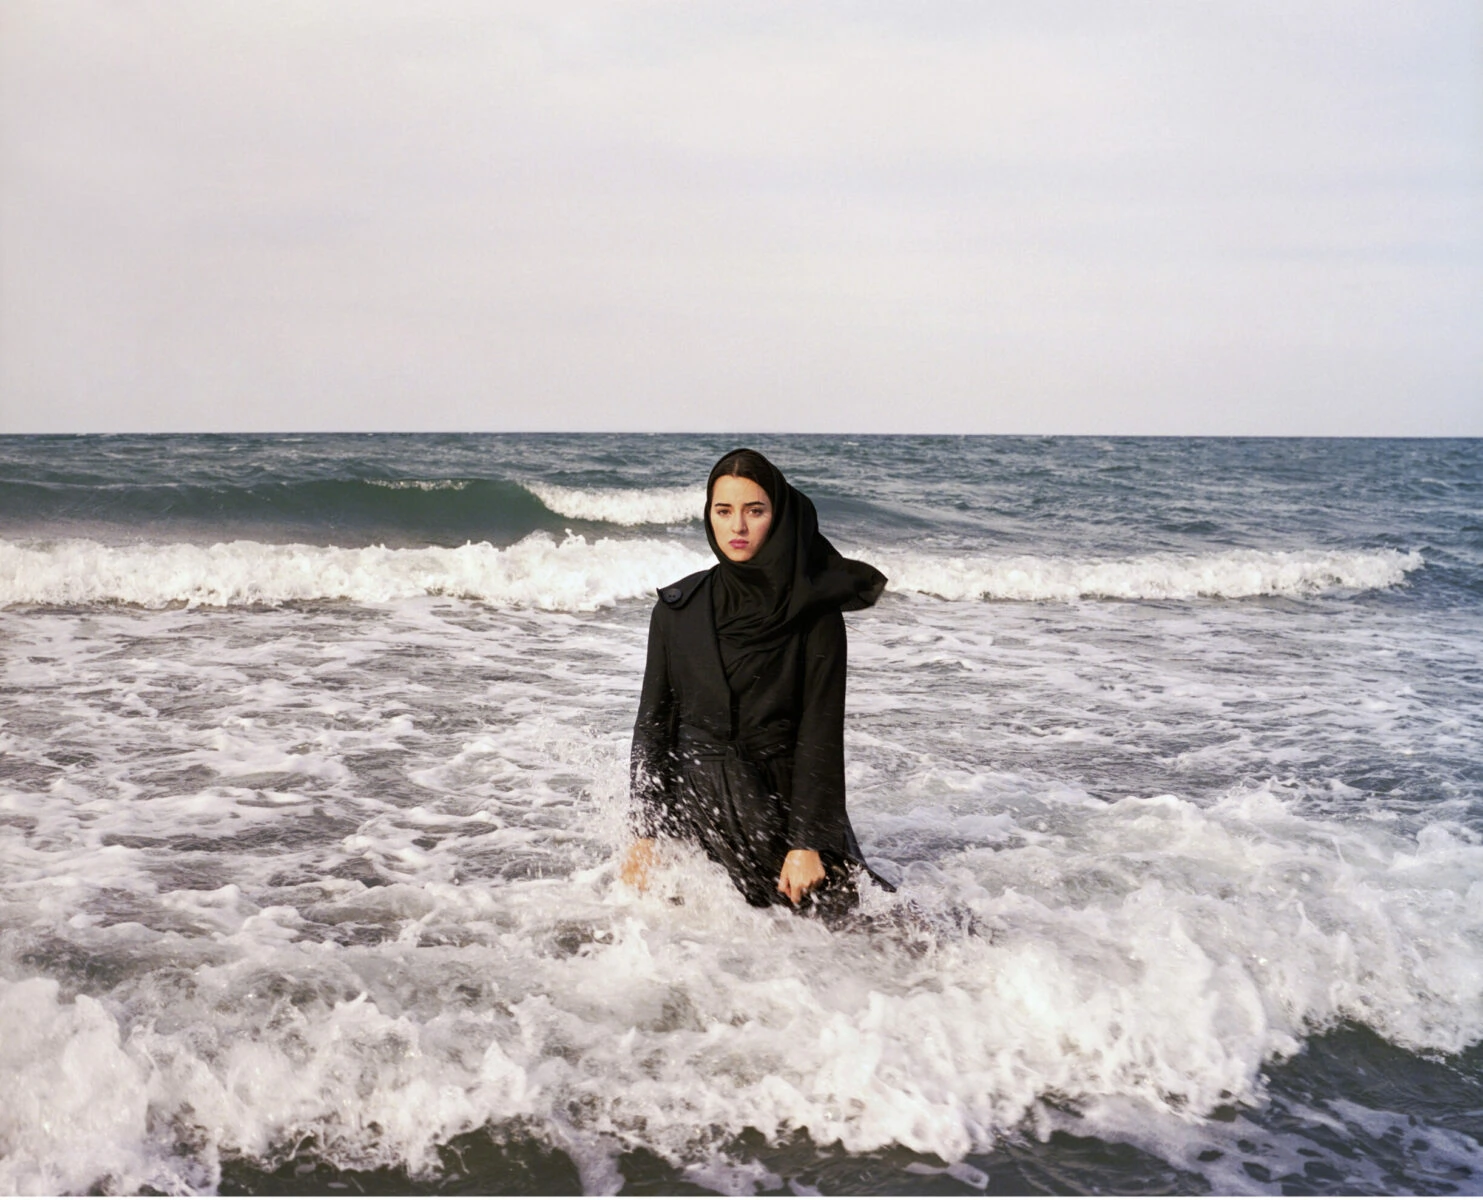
(313, 785)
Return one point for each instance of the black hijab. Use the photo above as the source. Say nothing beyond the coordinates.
(796, 575)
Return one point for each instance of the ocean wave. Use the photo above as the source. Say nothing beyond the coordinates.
(1229, 575)
(1142, 967)
(577, 575)
(430, 507)
(622, 506)
(410, 510)
(420, 485)
(573, 575)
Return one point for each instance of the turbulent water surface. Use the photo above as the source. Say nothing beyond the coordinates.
(313, 773)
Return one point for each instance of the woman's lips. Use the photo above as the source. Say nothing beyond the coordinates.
(739, 543)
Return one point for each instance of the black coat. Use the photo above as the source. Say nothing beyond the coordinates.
(752, 768)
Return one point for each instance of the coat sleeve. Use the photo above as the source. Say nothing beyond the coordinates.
(816, 817)
(652, 764)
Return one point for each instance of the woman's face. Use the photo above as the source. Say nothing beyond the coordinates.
(741, 515)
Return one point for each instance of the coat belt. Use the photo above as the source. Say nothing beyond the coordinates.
(698, 743)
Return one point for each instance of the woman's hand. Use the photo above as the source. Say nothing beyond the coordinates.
(637, 864)
(802, 869)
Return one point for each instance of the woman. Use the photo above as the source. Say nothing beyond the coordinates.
(739, 742)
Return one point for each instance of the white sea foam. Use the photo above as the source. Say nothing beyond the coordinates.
(572, 575)
(185, 799)
(1145, 961)
(623, 506)
(1230, 574)
(72, 1101)
(576, 575)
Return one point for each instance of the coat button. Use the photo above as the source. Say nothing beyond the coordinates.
(671, 594)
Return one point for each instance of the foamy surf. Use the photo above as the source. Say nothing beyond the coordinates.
(572, 575)
(1147, 960)
(1227, 575)
(575, 575)
(321, 896)
(622, 506)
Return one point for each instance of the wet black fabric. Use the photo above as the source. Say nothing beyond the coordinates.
(753, 767)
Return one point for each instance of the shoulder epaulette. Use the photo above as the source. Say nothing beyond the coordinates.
(678, 594)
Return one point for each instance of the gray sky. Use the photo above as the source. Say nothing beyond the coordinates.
(975, 217)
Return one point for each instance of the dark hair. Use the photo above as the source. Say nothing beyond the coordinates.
(746, 464)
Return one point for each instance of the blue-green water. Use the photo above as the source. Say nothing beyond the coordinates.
(312, 771)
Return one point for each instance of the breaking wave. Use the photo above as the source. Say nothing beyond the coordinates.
(413, 511)
(573, 575)
(622, 506)
(420, 485)
(1230, 575)
(444, 511)
(1199, 946)
(577, 575)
